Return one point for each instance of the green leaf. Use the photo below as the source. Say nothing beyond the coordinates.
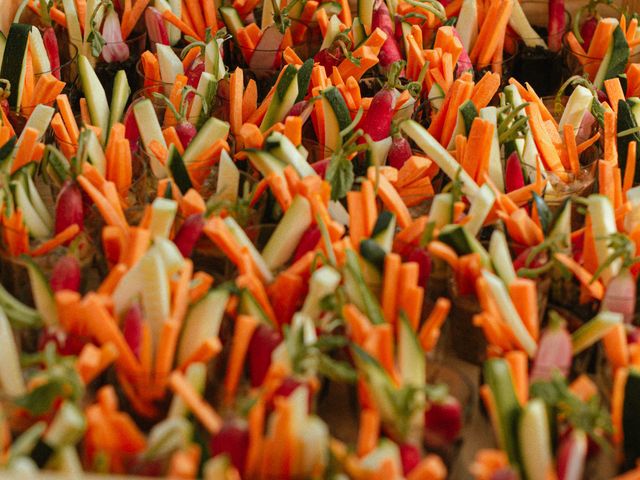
(40, 400)
(340, 176)
(336, 370)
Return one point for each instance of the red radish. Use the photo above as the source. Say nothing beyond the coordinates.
(557, 24)
(514, 179)
(377, 121)
(308, 242)
(189, 233)
(329, 58)
(423, 259)
(287, 387)
(65, 274)
(633, 335)
(464, 62)
(586, 127)
(65, 344)
(390, 52)
(587, 30)
(115, 50)
(321, 166)
(399, 152)
(156, 28)
(232, 440)
(602, 96)
(194, 73)
(263, 342)
(53, 53)
(620, 296)
(131, 131)
(572, 455)
(69, 209)
(186, 131)
(521, 260)
(132, 328)
(505, 473)
(442, 422)
(554, 351)
(4, 105)
(298, 108)
(409, 457)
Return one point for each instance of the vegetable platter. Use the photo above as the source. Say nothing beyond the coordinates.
(313, 239)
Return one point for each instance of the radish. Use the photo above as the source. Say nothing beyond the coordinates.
(390, 52)
(131, 131)
(193, 75)
(115, 50)
(321, 166)
(464, 61)
(263, 342)
(442, 422)
(308, 242)
(572, 455)
(329, 58)
(298, 108)
(620, 296)
(185, 129)
(189, 233)
(53, 53)
(586, 127)
(514, 179)
(65, 274)
(587, 30)
(232, 440)
(423, 259)
(156, 28)
(399, 152)
(69, 209)
(286, 388)
(557, 24)
(554, 350)
(377, 121)
(409, 457)
(65, 344)
(132, 328)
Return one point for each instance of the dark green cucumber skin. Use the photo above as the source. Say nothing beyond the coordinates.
(620, 56)
(631, 419)
(373, 253)
(456, 238)
(469, 114)
(384, 219)
(15, 48)
(179, 171)
(304, 78)
(339, 106)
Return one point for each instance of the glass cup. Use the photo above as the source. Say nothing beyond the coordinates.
(504, 66)
(540, 67)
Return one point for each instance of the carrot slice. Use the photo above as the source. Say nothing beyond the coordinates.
(245, 325)
(430, 331)
(595, 289)
(204, 412)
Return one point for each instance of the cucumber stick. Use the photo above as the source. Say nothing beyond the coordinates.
(228, 179)
(440, 155)
(37, 227)
(288, 233)
(42, 293)
(578, 104)
(11, 379)
(518, 21)
(480, 208)
(150, 130)
(14, 61)
(501, 257)
(212, 130)
(169, 63)
(510, 314)
(39, 120)
(323, 282)
(467, 24)
(163, 213)
(39, 55)
(155, 292)
(592, 331)
(603, 222)
(121, 92)
(95, 95)
(239, 234)
(535, 441)
(202, 323)
(441, 212)
(411, 357)
(497, 375)
(286, 92)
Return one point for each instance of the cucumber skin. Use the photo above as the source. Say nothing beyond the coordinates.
(631, 419)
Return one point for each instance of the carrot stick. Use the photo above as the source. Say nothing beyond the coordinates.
(368, 432)
(165, 354)
(369, 208)
(587, 143)
(610, 139)
(60, 239)
(25, 150)
(356, 219)
(390, 197)
(170, 17)
(616, 347)
(204, 412)
(136, 12)
(524, 294)
(617, 404)
(572, 148)
(250, 100)
(595, 289)
(518, 362)
(444, 252)
(114, 276)
(391, 280)
(67, 115)
(430, 331)
(107, 211)
(244, 328)
(630, 168)
(485, 90)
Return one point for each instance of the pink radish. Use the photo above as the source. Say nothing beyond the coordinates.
(514, 179)
(464, 62)
(620, 296)
(287, 387)
(194, 72)
(115, 50)
(186, 131)
(263, 342)
(69, 209)
(521, 260)
(557, 24)
(321, 166)
(442, 422)
(587, 30)
(399, 152)
(329, 58)
(53, 53)
(132, 328)
(298, 108)
(233, 440)
(65, 274)
(554, 351)
(572, 455)
(65, 344)
(308, 242)
(131, 131)
(156, 28)
(409, 457)
(423, 259)
(586, 127)
(390, 52)
(189, 233)
(377, 121)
